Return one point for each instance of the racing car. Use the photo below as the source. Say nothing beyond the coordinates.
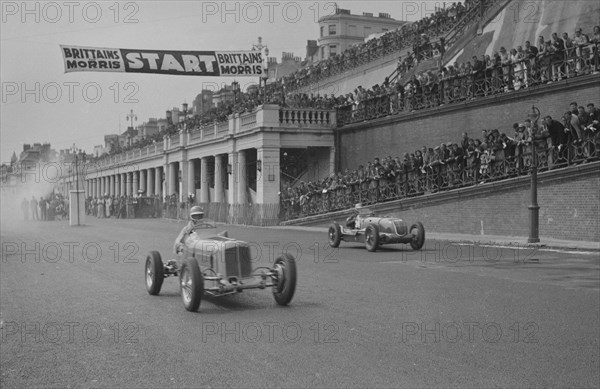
(216, 265)
(374, 231)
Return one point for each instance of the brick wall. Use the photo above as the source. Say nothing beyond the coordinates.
(569, 208)
(408, 132)
(569, 201)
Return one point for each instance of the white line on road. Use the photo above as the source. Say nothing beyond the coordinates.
(527, 247)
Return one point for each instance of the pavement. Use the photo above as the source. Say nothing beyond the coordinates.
(74, 312)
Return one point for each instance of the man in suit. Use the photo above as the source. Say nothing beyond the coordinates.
(558, 137)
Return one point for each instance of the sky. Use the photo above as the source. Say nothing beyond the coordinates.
(42, 103)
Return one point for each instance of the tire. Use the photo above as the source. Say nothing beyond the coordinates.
(284, 289)
(335, 235)
(371, 237)
(155, 273)
(418, 232)
(191, 284)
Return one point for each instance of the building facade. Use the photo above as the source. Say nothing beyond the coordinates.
(340, 31)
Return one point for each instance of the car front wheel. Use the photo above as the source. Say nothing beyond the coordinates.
(285, 279)
(418, 232)
(192, 285)
(335, 235)
(154, 273)
(371, 237)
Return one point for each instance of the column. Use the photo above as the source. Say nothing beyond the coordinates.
(182, 179)
(150, 182)
(117, 185)
(268, 178)
(135, 184)
(332, 160)
(191, 180)
(129, 183)
(143, 185)
(242, 184)
(172, 179)
(158, 181)
(233, 179)
(109, 184)
(219, 194)
(165, 181)
(123, 184)
(102, 186)
(204, 180)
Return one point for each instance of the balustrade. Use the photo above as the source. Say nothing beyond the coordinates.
(305, 116)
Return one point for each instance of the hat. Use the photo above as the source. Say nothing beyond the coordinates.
(578, 29)
(521, 125)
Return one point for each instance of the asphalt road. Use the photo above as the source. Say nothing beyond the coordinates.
(74, 312)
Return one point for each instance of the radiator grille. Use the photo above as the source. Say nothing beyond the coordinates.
(400, 227)
(238, 261)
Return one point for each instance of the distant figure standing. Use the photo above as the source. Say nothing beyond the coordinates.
(25, 208)
(42, 205)
(33, 205)
(108, 207)
(100, 208)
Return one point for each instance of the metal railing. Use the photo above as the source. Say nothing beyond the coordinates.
(491, 81)
(438, 176)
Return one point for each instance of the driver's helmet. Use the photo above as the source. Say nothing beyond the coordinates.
(196, 214)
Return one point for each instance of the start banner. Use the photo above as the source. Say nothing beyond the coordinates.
(187, 63)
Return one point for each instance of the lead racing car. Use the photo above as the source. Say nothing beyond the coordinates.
(375, 231)
(216, 265)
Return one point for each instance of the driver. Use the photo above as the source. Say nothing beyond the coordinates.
(196, 215)
(358, 221)
(351, 220)
(354, 221)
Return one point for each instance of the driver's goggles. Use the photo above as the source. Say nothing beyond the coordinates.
(197, 216)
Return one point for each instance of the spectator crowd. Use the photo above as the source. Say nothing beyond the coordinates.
(552, 60)
(54, 206)
(573, 137)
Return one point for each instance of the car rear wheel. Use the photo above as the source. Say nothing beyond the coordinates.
(192, 285)
(154, 272)
(285, 283)
(418, 232)
(335, 235)
(371, 237)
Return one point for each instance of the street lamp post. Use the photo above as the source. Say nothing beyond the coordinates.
(534, 208)
(77, 185)
(235, 87)
(77, 182)
(185, 113)
(131, 116)
(265, 63)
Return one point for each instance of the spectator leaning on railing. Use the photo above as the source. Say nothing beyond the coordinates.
(496, 156)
